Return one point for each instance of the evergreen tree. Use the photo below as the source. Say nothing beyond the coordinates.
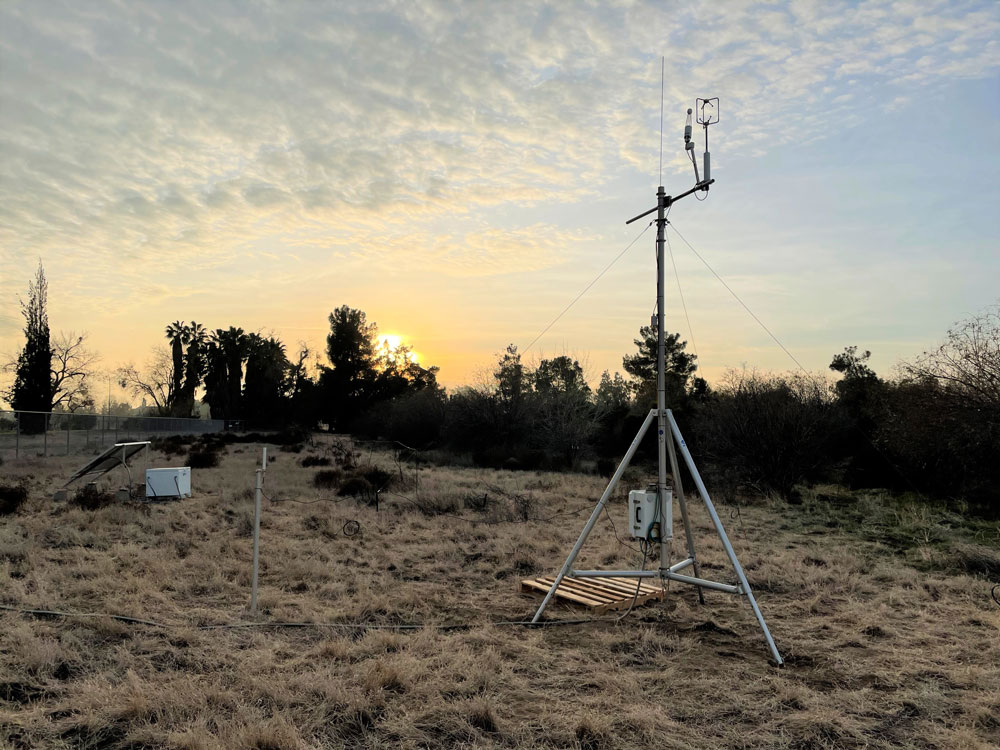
(349, 381)
(32, 389)
(267, 382)
(680, 367)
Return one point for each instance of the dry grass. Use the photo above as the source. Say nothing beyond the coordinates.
(882, 611)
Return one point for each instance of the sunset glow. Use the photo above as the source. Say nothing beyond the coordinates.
(463, 171)
(392, 342)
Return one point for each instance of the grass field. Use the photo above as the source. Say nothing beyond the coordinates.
(881, 608)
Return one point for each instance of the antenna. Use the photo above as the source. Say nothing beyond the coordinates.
(651, 510)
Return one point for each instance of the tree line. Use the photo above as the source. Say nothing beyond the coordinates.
(933, 427)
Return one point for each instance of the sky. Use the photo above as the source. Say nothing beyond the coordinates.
(462, 170)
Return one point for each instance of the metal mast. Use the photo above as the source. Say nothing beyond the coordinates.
(669, 438)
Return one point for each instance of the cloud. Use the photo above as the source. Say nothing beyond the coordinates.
(183, 137)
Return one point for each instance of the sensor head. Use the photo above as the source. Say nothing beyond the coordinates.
(708, 111)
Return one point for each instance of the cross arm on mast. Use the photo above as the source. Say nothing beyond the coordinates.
(669, 200)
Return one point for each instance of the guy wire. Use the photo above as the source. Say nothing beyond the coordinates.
(791, 356)
(586, 288)
(680, 291)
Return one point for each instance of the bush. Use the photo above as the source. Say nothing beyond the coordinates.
(327, 479)
(91, 498)
(314, 461)
(356, 486)
(366, 484)
(770, 432)
(12, 497)
(203, 459)
(173, 445)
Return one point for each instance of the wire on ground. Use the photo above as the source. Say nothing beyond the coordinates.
(328, 625)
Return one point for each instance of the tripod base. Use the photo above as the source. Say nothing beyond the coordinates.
(671, 572)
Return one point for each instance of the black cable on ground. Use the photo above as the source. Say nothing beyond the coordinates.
(334, 625)
(54, 613)
(644, 546)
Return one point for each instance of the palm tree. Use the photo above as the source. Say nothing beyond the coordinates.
(195, 365)
(177, 335)
(216, 377)
(234, 344)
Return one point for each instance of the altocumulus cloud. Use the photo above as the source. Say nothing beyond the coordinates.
(184, 133)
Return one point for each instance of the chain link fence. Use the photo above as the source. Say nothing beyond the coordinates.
(34, 433)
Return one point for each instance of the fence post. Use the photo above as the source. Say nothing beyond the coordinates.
(67, 436)
(17, 435)
(45, 432)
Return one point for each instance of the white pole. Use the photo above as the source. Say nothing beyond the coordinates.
(256, 532)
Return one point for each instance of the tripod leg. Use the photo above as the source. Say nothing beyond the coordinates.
(595, 515)
(679, 488)
(730, 552)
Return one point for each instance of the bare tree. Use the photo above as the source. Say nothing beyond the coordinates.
(72, 367)
(154, 383)
(967, 364)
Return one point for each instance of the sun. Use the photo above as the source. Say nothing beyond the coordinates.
(392, 342)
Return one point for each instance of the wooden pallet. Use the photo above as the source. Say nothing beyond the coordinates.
(599, 595)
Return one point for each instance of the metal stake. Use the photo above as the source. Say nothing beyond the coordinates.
(256, 532)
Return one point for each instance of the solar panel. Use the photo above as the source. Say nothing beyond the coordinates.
(117, 455)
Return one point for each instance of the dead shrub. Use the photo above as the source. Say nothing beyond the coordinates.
(977, 560)
(481, 717)
(524, 506)
(244, 524)
(343, 455)
(12, 497)
(438, 505)
(591, 735)
(89, 497)
(477, 502)
(384, 679)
